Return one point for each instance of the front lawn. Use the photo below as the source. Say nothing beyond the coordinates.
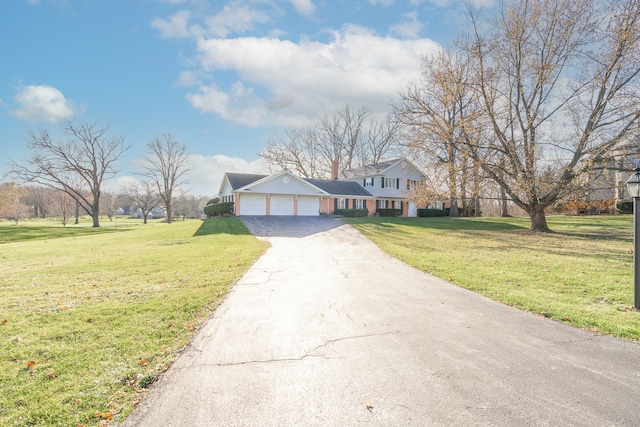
(581, 275)
(90, 317)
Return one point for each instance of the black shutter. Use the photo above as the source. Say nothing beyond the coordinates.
(382, 181)
(335, 204)
(364, 182)
(397, 183)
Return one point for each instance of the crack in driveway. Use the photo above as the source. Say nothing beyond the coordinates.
(304, 356)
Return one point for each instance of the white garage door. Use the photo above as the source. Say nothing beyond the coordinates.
(281, 205)
(308, 206)
(253, 204)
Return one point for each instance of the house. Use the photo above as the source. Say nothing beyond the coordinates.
(383, 185)
(390, 183)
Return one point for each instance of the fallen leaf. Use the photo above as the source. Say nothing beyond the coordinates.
(51, 375)
(31, 363)
(104, 415)
(4, 321)
(144, 362)
(369, 407)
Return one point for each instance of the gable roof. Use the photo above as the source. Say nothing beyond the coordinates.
(239, 180)
(375, 169)
(336, 187)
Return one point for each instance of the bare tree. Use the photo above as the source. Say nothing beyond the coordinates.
(349, 137)
(144, 195)
(62, 205)
(558, 81)
(166, 165)
(78, 166)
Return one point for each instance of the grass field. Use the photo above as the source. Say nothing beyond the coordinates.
(89, 317)
(581, 275)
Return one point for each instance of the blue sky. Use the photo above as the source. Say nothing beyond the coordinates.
(221, 76)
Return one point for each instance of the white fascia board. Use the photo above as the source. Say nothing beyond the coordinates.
(247, 188)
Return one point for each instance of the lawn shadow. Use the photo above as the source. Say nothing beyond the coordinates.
(224, 225)
(23, 233)
(445, 223)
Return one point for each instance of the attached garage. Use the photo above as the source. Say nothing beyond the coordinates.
(281, 204)
(284, 194)
(253, 204)
(308, 205)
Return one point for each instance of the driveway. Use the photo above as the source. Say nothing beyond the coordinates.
(326, 330)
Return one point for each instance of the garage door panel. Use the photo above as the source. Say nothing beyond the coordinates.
(308, 206)
(281, 205)
(253, 204)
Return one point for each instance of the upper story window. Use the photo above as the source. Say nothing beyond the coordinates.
(391, 182)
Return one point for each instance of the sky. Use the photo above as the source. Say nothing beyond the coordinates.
(222, 77)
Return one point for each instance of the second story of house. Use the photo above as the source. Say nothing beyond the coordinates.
(388, 179)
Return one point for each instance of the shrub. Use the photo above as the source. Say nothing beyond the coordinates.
(625, 207)
(219, 209)
(591, 207)
(389, 212)
(352, 213)
(423, 213)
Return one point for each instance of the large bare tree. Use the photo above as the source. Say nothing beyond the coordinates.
(166, 165)
(77, 165)
(350, 137)
(559, 85)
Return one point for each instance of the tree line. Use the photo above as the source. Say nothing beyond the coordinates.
(77, 166)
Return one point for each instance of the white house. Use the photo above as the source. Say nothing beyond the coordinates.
(383, 185)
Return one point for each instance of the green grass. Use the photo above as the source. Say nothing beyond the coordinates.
(102, 312)
(581, 275)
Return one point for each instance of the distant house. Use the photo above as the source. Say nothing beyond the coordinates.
(383, 185)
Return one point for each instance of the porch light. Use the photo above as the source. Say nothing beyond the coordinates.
(633, 184)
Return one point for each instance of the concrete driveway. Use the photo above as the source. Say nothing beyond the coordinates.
(326, 330)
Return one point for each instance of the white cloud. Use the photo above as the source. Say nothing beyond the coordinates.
(281, 82)
(177, 26)
(206, 172)
(410, 27)
(234, 17)
(42, 103)
(304, 7)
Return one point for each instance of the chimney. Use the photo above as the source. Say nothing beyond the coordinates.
(334, 169)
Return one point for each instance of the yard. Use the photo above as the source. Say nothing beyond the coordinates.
(89, 317)
(581, 275)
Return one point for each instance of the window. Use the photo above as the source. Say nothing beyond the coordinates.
(342, 203)
(382, 204)
(391, 183)
(358, 204)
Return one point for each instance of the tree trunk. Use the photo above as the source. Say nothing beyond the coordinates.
(538, 219)
(168, 209)
(504, 203)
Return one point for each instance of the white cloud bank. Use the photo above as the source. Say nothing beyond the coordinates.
(42, 103)
(269, 81)
(206, 172)
(287, 83)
